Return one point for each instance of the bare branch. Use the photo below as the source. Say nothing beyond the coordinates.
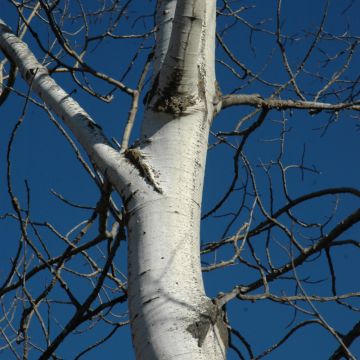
(255, 100)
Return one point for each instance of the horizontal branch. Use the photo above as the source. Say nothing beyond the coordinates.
(269, 223)
(256, 100)
(323, 243)
(293, 298)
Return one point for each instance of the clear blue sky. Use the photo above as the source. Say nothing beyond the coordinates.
(43, 158)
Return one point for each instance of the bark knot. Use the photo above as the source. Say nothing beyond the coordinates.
(211, 316)
(176, 104)
(171, 98)
(135, 156)
(32, 72)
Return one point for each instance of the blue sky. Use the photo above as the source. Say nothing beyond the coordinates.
(44, 159)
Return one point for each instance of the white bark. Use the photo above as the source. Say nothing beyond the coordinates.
(86, 131)
(160, 181)
(166, 292)
(164, 16)
(179, 68)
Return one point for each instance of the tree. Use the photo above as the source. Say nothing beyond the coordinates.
(277, 239)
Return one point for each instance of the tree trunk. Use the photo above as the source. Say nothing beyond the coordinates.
(160, 181)
(170, 314)
(171, 317)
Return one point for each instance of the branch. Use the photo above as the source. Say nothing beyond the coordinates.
(4, 93)
(5, 89)
(347, 339)
(81, 314)
(109, 161)
(256, 100)
(323, 243)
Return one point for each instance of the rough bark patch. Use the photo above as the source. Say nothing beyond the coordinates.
(211, 316)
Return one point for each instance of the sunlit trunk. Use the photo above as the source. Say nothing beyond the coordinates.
(170, 314)
(171, 317)
(160, 180)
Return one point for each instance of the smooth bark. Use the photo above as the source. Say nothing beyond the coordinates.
(160, 181)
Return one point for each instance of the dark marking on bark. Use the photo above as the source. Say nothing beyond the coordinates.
(39, 70)
(201, 85)
(150, 300)
(212, 316)
(126, 203)
(217, 96)
(150, 94)
(144, 272)
(29, 74)
(146, 172)
(175, 105)
(169, 99)
(92, 125)
(98, 126)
